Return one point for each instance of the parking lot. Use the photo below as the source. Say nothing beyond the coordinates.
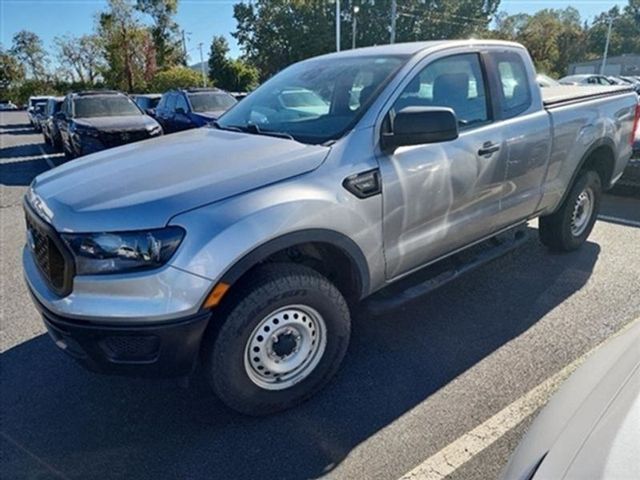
(415, 381)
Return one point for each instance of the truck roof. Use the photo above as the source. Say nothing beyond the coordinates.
(411, 48)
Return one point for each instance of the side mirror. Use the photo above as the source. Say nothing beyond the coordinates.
(180, 110)
(420, 125)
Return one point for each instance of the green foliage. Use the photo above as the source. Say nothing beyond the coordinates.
(176, 77)
(625, 34)
(231, 75)
(242, 77)
(276, 33)
(30, 87)
(28, 49)
(80, 58)
(556, 38)
(164, 31)
(128, 48)
(11, 71)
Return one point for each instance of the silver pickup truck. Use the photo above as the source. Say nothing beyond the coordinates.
(242, 246)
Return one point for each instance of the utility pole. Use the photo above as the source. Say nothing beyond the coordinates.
(354, 27)
(606, 47)
(184, 47)
(204, 77)
(394, 14)
(337, 25)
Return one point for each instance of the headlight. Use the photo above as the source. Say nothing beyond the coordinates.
(85, 131)
(154, 130)
(122, 252)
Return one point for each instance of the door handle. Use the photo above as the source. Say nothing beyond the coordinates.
(488, 149)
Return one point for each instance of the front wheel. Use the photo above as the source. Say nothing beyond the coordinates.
(568, 228)
(281, 339)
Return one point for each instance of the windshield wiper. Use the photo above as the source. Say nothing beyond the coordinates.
(216, 124)
(253, 129)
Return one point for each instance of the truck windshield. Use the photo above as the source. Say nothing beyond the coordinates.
(105, 106)
(314, 101)
(210, 102)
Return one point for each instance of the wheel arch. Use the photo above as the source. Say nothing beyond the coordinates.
(337, 243)
(600, 156)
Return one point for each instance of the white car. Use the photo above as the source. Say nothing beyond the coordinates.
(7, 105)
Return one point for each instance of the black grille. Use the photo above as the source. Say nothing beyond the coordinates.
(113, 139)
(46, 246)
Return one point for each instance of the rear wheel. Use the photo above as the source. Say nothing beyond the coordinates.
(282, 338)
(568, 228)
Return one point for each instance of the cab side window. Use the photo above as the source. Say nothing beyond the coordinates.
(171, 103)
(181, 102)
(456, 82)
(514, 83)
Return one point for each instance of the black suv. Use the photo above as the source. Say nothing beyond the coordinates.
(97, 120)
(183, 109)
(49, 124)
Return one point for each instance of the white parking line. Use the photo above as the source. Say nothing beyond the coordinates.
(460, 451)
(47, 158)
(624, 221)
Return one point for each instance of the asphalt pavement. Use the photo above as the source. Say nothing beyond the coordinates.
(414, 380)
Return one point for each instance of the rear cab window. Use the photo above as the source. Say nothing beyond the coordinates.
(514, 89)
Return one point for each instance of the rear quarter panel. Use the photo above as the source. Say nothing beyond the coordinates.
(577, 129)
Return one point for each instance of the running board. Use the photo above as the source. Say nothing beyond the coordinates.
(434, 276)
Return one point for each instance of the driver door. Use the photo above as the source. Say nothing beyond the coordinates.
(440, 197)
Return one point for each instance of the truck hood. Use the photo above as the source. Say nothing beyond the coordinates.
(143, 185)
(121, 122)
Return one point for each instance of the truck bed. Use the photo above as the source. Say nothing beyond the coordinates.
(568, 94)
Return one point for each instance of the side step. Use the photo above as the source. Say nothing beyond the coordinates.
(440, 273)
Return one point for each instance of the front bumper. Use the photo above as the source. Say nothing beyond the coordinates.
(168, 349)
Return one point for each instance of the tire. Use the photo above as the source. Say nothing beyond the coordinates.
(67, 154)
(274, 294)
(568, 228)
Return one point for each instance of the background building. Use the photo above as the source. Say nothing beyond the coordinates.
(628, 64)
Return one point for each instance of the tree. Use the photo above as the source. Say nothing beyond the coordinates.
(165, 31)
(11, 71)
(243, 77)
(625, 32)
(232, 75)
(176, 77)
(80, 57)
(553, 37)
(127, 47)
(276, 33)
(28, 49)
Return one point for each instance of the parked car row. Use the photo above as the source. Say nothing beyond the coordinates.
(7, 105)
(87, 122)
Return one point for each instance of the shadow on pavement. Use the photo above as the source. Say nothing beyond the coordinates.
(16, 172)
(93, 427)
(621, 209)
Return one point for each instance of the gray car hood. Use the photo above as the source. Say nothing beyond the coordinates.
(121, 122)
(142, 185)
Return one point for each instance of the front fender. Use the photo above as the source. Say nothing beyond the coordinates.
(225, 239)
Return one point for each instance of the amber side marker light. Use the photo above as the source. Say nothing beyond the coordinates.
(216, 295)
